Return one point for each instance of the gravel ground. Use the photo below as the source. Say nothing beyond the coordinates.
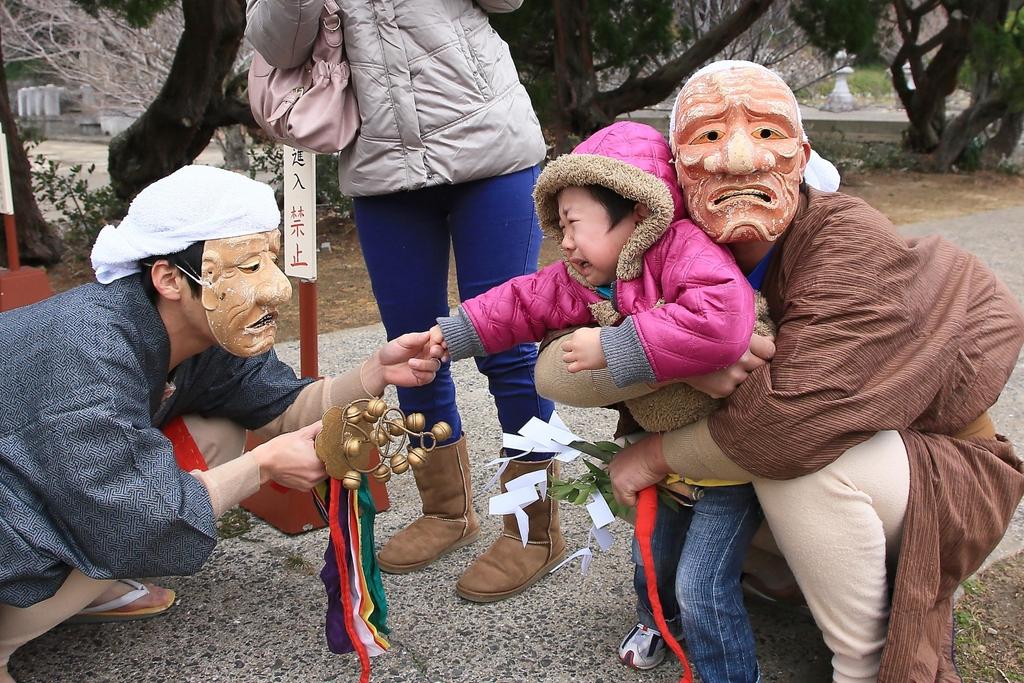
(254, 613)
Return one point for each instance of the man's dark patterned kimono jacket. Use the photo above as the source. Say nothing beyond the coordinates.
(87, 480)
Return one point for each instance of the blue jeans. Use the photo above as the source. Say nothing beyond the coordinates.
(491, 225)
(698, 556)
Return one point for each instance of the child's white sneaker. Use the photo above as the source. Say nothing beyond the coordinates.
(643, 648)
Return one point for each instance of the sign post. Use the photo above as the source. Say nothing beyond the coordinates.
(18, 286)
(7, 206)
(300, 248)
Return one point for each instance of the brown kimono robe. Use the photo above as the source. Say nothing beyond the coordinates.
(875, 333)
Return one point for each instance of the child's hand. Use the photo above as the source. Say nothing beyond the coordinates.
(583, 350)
(438, 346)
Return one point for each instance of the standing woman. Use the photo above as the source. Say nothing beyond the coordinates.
(446, 158)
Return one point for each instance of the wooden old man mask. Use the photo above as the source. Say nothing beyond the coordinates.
(740, 151)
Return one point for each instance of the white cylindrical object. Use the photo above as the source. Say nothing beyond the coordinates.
(35, 101)
(909, 75)
(22, 102)
(51, 101)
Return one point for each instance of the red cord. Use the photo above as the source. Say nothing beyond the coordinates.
(340, 556)
(646, 515)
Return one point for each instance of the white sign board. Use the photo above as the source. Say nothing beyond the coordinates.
(6, 201)
(299, 213)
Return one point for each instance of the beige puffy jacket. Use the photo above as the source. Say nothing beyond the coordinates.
(439, 96)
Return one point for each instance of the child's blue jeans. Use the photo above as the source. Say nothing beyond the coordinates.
(492, 227)
(698, 556)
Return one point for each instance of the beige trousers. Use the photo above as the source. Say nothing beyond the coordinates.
(219, 440)
(18, 626)
(839, 529)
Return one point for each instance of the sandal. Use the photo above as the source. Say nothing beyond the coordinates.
(788, 596)
(111, 611)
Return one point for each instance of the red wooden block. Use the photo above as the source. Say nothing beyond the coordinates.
(22, 287)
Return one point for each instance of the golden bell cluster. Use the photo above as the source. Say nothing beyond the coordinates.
(351, 434)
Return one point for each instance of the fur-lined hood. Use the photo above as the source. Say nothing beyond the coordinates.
(632, 159)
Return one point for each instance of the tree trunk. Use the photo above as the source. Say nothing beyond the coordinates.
(1004, 143)
(233, 144)
(38, 241)
(575, 79)
(934, 82)
(965, 127)
(668, 78)
(583, 108)
(192, 104)
(935, 66)
(990, 100)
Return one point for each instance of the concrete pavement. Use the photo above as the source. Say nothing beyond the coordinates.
(254, 613)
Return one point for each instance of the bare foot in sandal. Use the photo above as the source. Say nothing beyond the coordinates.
(126, 600)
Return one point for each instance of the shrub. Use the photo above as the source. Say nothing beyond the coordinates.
(82, 211)
(850, 155)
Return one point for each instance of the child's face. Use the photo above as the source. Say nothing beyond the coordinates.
(590, 242)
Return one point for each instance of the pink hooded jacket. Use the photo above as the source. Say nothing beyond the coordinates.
(680, 306)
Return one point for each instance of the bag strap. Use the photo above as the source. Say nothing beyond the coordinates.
(331, 9)
(329, 33)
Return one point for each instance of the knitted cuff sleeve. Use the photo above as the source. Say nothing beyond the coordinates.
(460, 336)
(625, 355)
(693, 452)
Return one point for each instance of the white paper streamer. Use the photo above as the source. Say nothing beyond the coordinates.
(502, 464)
(547, 437)
(568, 456)
(508, 502)
(512, 503)
(517, 442)
(538, 431)
(586, 553)
(603, 537)
(524, 525)
(537, 478)
(599, 511)
(556, 421)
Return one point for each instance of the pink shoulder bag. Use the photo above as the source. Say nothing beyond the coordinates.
(312, 106)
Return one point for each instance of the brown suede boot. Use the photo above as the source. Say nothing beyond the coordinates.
(507, 568)
(448, 520)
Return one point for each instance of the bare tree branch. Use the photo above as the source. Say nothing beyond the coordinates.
(124, 66)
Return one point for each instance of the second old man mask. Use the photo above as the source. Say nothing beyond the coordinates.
(740, 153)
(242, 290)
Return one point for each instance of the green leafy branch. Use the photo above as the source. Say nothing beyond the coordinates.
(596, 480)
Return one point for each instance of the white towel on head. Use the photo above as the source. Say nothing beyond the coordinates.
(193, 204)
(821, 174)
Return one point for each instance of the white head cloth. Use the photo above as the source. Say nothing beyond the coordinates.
(820, 173)
(193, 204)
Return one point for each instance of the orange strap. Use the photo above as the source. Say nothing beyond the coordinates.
(186, 452)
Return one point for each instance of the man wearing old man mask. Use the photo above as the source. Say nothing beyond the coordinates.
(180, 325)
(869, 424)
